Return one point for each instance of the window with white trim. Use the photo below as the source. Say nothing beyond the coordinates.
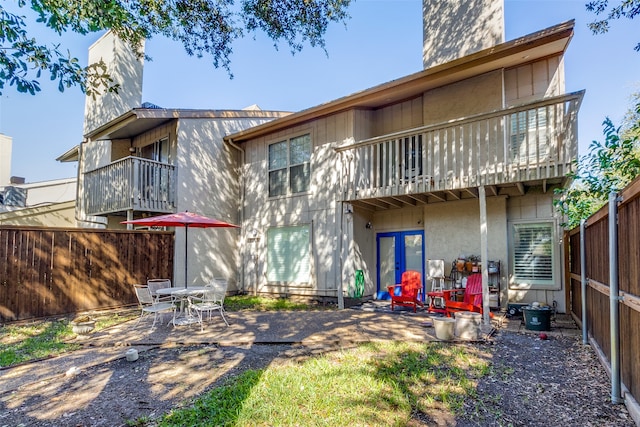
(533, 254)
(289, 166)
(288, 254)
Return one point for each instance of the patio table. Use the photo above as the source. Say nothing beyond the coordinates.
(181, 294)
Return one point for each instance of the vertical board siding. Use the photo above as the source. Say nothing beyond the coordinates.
(532, 142)
(597, 271)
(49, 272)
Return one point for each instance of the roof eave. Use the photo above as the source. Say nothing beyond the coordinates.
(501, 56)
(122, 126)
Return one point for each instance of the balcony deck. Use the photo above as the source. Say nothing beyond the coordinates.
(506, 150)
(130, 184)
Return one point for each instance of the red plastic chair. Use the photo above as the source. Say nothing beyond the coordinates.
(472, 300)
(409, 292)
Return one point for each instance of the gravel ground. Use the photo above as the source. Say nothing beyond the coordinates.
(554, 382)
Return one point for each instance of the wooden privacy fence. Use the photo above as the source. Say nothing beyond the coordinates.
(597, 292)
(53, 271)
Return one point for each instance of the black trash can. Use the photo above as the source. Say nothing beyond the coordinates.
(537, 319)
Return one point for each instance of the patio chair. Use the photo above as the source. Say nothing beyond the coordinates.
(409, 292)
(472, 299)
(211, 300)
(149, 305)
(155, 284)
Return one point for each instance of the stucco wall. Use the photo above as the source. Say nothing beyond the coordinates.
(55, 215)
(93, 154)
(361, 254)
(538, 206)
(208, 183)
(125, 69)
(452, 228)
(455, 28)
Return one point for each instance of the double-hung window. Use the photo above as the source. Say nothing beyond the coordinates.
(288, 254)
(533, 254)
(289, 166)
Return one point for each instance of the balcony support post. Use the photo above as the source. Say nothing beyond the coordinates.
(130, 218)
(484, 255)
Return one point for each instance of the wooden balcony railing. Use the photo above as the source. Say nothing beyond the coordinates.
(132, 183)
(536, 141)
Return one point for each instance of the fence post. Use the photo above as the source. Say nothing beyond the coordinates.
(583, 281)
(614, 299)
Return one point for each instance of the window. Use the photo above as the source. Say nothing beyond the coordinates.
(288, 255)
(391, 151)
(529, 142)
(533, 254)
(158, 151)
(289, 170)
(413, 156)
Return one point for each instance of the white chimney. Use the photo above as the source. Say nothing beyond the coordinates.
(125, 68)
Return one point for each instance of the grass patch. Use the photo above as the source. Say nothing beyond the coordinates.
(261, 303)
(22, 343)
(376, 384)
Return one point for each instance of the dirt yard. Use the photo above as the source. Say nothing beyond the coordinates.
(557, 382)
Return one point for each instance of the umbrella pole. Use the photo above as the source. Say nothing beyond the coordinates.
(186, 235)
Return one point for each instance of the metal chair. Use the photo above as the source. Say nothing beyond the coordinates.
(211, 300)
(149, 305)
(155, 284)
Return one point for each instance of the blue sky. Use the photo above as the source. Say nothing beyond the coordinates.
(381, 42)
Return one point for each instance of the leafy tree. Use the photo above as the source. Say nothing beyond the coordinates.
(625, 9)
(204, 27)
(607, 167)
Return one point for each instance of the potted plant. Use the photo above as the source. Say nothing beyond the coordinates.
(83, 325)
(472, 263)
(460, 264)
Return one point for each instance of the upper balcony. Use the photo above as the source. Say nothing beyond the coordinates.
(131, 183)
(531, 144)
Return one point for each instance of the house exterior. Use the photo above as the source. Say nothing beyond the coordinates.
(460, 158)
(139, 160)
(46, 203)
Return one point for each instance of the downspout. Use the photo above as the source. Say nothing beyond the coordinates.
(583, 281)
(339, 286)
(344, 178)
(241, 211)
(614, 299)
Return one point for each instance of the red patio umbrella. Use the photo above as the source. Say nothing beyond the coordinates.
(181, 219)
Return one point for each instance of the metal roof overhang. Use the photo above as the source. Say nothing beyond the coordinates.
(544, 43)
